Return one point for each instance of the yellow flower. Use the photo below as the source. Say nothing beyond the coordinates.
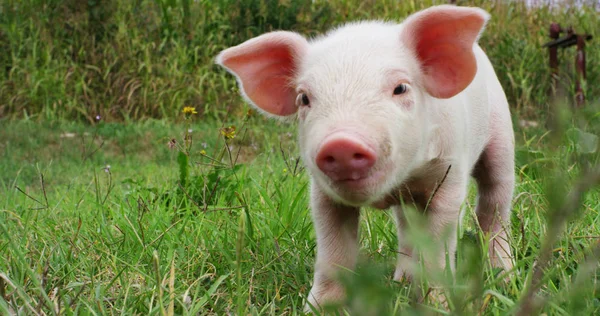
(284, 170)
(228, 132)
(203, 152)
(189, 110)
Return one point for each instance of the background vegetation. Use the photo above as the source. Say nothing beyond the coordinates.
(127, 60)
(114, 201)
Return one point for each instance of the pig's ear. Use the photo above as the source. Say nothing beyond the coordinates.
(264, 67)
(442, 38)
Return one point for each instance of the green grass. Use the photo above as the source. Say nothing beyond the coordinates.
(130, 241)
(237, 237)
(130, 60)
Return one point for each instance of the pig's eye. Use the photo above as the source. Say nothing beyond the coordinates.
(302, 100)
(400, 89)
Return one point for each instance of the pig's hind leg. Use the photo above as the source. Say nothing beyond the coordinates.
(494, 173)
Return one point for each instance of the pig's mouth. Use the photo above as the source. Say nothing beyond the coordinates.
(356, 192)
(354, 180)
(350, 177)
(356, 185)
(358, 189)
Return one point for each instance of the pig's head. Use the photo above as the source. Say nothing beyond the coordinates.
(362, 93)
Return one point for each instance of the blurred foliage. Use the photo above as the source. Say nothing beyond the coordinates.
(137, 59)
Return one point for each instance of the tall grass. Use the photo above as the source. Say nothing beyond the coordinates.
(210, 233)
(79, 237)
(128, 60)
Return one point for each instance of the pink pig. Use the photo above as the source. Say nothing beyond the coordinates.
(384, 109)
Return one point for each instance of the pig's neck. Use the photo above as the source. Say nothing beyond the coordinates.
(426, 171)
(418, 187)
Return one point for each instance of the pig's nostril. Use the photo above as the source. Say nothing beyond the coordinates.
(329, 159)
(359, 156)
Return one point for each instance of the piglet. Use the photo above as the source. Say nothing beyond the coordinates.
(386, 112)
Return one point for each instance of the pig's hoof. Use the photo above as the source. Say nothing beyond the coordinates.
(402, 273)
(437, 297)
(500, 255)
(324, 298)
(402, 276)
(504, 262)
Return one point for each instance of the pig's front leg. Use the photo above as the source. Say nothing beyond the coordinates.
(443, 214)
(405, 255)
(336, 228)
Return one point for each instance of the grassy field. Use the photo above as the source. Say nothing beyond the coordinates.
(145, 210)
(93, 221)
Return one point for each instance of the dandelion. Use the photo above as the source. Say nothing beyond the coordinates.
(228, 132)
(189, 110)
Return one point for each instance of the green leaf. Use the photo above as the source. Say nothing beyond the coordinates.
(585, 143)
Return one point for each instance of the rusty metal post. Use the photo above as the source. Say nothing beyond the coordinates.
(571, 39)
(580, 67)
(553, 53)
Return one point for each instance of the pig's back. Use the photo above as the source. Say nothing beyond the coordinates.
(485, 107)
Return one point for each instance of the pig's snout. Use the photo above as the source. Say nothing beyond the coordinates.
(344, 158)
